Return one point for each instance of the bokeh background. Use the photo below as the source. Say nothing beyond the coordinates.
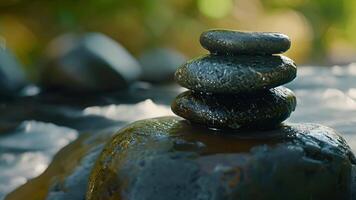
(37, 120)
(322, 31)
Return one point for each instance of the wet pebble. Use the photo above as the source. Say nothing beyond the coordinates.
(236, 43)
(235, 74)
(260, 110)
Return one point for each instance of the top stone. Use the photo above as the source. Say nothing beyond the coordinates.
(249, 43)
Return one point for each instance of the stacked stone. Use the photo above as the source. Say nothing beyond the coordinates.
(238, 85)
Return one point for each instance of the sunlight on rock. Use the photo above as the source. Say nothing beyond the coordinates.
(320, 135)
(130, 112)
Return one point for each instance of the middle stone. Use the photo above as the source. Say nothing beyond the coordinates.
(259, 110)
(235, 74)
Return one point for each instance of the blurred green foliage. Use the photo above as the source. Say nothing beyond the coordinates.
(322, 15)
(321, 30)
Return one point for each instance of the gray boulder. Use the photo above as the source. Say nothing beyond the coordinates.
(92, 62)
(160, 64)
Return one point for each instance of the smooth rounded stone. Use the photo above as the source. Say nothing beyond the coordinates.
(168, 158)
(88, 63)
(235, 74)
(261, 110)
(12, 76)
(236, 42)
(160, 64)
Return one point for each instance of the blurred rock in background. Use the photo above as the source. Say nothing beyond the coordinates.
(12, 77)
(88, 63)
(160, 64)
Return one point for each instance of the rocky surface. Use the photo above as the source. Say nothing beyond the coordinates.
(329, 104)
(167, 158)
(88, 63)
(236, 43)
(262, 110)
(173, 158)
(234, 74)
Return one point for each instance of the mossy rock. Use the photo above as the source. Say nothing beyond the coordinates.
(260, 110)
(235, 74)
(168, 158)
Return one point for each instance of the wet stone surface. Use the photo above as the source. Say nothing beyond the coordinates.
(174, 158)
(326, 96)
(168, 158)
(235, 74)
(261, 110)
(236, 43)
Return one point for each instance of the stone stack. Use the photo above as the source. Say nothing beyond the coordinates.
(238, 84)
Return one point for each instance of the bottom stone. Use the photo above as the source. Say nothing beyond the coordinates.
(168, 158)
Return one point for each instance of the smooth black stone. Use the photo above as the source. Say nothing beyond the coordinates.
(261, 110)
(235, 74)
(253, 43)
(168, 158)
(88, 63)
(160, 64)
